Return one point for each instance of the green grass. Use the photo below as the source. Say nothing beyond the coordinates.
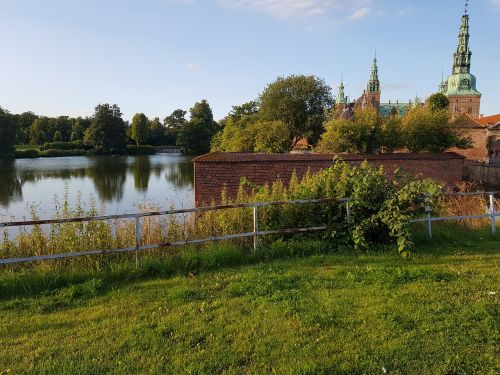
(286, 311)
(27, 147)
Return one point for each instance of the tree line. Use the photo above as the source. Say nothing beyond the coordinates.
(106, 132)
(289, 110)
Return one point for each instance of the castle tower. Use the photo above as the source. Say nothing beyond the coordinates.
(341, 101)
(373, 88)
(461, 85)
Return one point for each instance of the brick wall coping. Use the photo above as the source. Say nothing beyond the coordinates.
(239, 157)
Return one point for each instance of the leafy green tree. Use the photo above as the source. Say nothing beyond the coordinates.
(437, 102)
(361, 134)
(196, 135)
(176, 120)
(39, 130)
(57, 136)
(8, 130)
(300, 102)
(271, 137)
(139, 131)
(24, 122)
(392, 133)
(156, 132)
(428, 130)
(107, 131)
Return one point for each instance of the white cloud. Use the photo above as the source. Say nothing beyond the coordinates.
(286, 9)
(360, 13)
(192, 67)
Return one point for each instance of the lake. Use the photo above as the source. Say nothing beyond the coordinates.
(117, 183)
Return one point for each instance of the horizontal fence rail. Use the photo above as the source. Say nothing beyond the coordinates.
(491, 214)
(137, 216)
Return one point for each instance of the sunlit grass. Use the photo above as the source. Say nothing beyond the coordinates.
(296, 308)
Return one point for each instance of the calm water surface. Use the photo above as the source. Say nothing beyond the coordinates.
(118, 184)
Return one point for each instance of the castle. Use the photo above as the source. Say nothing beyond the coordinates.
(460, 87)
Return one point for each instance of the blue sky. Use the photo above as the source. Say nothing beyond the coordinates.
(62, 57)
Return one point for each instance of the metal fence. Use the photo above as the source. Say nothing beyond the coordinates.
(137, 217)
(492, 214)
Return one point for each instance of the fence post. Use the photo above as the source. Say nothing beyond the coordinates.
(137, 240)
(492, 212)
(428, 212)
(255, 228)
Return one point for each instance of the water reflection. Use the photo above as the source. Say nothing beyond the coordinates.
(141, 169)
(109, 176)
(11, 187)
(120, 180)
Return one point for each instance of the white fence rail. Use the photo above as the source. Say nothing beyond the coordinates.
(491, 214)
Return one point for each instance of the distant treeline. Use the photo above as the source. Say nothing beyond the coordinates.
(105, 132)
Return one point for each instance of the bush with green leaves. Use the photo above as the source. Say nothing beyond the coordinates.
(380, 206)
(140, 150)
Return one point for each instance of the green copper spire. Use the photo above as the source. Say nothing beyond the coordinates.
(462, 82)
(442, 84)
(374, 83)
(341, 98)
(462, 57)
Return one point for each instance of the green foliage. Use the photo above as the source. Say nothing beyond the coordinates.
(107, 133)
(438, 102)
(195, 136)
(362, 134)
(8, 130)
(300, 102)
(27, 154)
(247, 133)
(140, 150)
(57, 136)
(428, 130)
(139, 130)
(380, 207)
(61, 146)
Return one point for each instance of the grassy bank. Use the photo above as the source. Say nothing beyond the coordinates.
(294, 308)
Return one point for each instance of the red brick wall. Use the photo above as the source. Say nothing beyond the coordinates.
(215, 171)
(479, 150)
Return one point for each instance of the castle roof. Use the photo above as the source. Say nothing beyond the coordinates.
(489, 120)
(466, 121)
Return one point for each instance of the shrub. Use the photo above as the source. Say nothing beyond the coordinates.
(140, 150)
(27, 154)
(60, 146)
(56, 153)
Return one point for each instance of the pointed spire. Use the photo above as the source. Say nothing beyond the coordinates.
(442, 84)
(341, 98)
(462, 57)
(374, 83)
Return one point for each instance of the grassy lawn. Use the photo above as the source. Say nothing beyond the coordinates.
(27, 147)
(436, 313)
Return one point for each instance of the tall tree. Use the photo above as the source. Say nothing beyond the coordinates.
(437, 102)
(300, 102)
(196, 135)
(8, 130)
(139, 131)
(107, 131)
(428, 130)
(361, 134)
(176, 120)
